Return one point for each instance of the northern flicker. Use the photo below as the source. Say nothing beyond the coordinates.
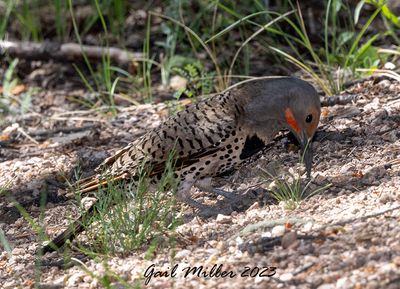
(213, 136)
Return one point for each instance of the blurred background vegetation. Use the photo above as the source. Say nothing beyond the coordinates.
(191, 48)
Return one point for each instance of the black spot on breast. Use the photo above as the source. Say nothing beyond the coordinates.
(252, 146)
(180, 143)
(208, 162)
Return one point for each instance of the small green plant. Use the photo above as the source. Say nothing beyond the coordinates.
(28, 15)
(104, 79)
(4, 243)
(289, 188)
(9, 83)
(9, 103)
(6, 17)
(60, 11)
(391, 21)
(147, 65)
(3, 240)
(34, 222)
(343, 50)
(127, 216)
(199, 82)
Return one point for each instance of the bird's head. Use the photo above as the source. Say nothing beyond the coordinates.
(285, 103)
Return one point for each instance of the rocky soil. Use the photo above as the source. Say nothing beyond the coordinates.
(347, 236)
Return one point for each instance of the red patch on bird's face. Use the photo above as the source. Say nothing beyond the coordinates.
(291, 120)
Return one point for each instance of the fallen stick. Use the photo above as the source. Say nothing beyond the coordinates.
(66, 52)
(44, 134)
(341, 99)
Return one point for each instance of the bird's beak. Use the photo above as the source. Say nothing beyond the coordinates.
(307, 155)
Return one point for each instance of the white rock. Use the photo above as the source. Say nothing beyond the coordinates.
(278, 231)
(182, 254)
(389, 65)
(239, 241)
(178, 82)
(18, 251)
(9, 284)
(387, 268)
(266, 235)
(87, 279)
(286, 277)
(308, 227)
(222, 219)
(87, 202)
(327, 286)
(75, 279)
(341, 282)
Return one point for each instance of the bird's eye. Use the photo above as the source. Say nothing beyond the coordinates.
(309, 118)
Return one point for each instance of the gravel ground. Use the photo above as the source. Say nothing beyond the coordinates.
(348, 236)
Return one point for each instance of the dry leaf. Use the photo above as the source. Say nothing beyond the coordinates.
(357, 174)
(324, 112)
(288, 226)
(18, 89)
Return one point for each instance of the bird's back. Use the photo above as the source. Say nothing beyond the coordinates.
(196, 133)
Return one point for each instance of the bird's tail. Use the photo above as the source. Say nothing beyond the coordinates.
(92, 183)
(78, 226)
(86, 185)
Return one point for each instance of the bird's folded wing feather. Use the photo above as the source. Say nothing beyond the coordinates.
(192, 134)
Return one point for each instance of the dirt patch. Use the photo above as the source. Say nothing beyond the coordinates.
(357, 151)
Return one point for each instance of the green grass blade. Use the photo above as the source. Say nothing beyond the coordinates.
(197, 37)
(236, 23)
(254, 35)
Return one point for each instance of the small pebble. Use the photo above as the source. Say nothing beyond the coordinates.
(182, 254)
(285, 277)
(278, 231)
(223, 219)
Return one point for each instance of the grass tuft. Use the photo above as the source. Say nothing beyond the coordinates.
(129, 216)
